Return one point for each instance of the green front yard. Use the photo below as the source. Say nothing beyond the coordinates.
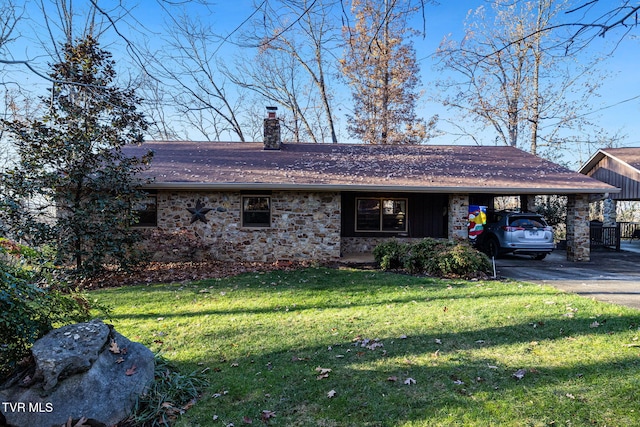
(323, 347)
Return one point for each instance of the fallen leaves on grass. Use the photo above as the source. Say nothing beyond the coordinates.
(323, 373)
(331, 394)
(163, 272)
(368, 343)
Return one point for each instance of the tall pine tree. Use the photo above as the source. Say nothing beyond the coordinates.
(380, 66)
(72, 167)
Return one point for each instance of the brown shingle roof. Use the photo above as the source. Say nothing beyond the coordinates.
(482, 169)
(630, 155)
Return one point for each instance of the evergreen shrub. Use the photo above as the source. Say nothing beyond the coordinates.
(441, 258)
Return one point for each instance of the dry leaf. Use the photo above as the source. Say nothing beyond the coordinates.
(113, 347)
(392, 379)
(331, 394)
(131, 370)
(519, 374)
(119, 360)
(247, 420)
(267, 415)
(409, 381)
(594, 324)
(189, 405)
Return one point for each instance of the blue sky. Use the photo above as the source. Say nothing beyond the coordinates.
(614, 112)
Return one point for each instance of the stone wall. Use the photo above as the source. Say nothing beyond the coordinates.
(578, 234)
(458, 217)
(358, 245)
(304, 226)
(609, 212)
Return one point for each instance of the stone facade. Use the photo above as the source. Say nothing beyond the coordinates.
(304, 226)
(272, 139)
(458, 217)
(609, 212)
(578, 233)
(358, 245)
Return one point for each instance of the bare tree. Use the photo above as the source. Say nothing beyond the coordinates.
(189, 69)
(311, 35)
(10, 15)
(594, 18)
(275, 78)
(512, 78)
(380, 67)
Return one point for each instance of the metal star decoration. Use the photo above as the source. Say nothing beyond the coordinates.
(198, 213)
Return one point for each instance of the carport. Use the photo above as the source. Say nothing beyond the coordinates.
(619, 167)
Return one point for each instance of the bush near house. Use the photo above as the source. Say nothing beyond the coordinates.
(31, 303)
(441, 258)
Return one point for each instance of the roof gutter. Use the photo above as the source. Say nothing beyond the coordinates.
(232, 186)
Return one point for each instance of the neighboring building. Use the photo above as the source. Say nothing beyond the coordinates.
(619, 167)
(274, 201)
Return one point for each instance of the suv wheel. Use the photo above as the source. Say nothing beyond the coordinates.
(492, 247)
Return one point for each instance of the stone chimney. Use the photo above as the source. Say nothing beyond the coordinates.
(272, 139)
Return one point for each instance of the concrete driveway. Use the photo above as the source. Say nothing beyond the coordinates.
(609, 276)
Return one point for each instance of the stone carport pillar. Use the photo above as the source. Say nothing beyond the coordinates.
(609, 214)
(578, 233)
(458, 227)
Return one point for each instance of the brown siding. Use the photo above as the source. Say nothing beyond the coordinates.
(619, 175)
(426, 214)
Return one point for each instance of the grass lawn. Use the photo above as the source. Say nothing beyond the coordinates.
(323, 347)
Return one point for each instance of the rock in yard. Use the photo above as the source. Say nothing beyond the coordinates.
(82, 370)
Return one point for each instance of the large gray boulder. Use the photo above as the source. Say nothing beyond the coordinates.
(82, 370)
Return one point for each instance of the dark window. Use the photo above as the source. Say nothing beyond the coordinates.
(381, 214)
(256, 211)
(147, 211)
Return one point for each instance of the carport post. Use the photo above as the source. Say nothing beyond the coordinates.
(609, 212)
(578, 245)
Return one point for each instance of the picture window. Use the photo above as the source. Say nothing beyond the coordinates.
(381, 214)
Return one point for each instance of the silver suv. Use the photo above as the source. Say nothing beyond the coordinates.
(518, 233)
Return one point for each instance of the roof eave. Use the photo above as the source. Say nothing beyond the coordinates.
(233, 186)
(592, 162)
